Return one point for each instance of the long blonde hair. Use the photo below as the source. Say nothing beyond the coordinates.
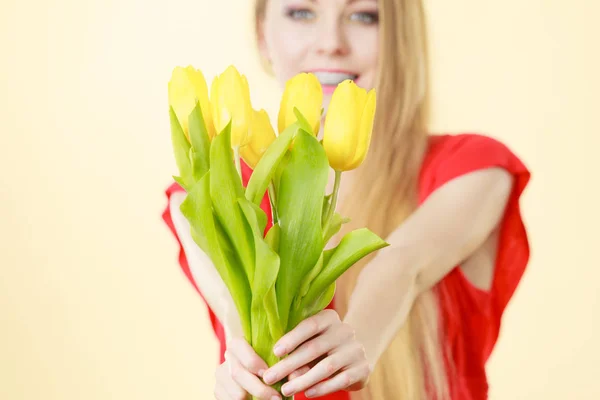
(412, 367)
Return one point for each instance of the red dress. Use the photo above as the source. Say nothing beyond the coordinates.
(471, 317)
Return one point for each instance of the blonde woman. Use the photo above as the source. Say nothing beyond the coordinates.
(420, 318)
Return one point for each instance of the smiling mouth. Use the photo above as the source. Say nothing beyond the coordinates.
(333, 78)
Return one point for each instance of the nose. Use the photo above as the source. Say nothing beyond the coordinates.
(331, 38)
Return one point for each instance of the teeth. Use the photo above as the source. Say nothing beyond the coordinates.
(333, 78)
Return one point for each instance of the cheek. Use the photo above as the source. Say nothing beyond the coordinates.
(287, 52)
(365, 50)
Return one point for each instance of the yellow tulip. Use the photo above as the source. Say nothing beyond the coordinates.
(261, 135)
(230, 100)
(348, 126)
(304, 92)
(186, 87)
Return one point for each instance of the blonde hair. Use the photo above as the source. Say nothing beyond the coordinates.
(412, 367)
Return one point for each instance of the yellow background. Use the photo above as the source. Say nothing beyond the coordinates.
(93, 304)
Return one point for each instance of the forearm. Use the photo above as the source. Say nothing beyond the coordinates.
(205, 274)
(380, 304)
(439, 235)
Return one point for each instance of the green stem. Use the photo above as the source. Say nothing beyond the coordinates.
(273, 200)
(236, 155)
(331, 209)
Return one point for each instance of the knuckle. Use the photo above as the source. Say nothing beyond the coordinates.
(312, 326)
(264, 393)
(345, 379)
(240, 395)
(333, 314)
(360, 351)
(330, 366)
(235, 371)
(254, 365)
(365, 370)
(313, 348)
(348, 330)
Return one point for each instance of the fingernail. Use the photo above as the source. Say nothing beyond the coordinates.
(279, 350)
(310, 392)
(269, 377)
(261, 373)
(287, 389)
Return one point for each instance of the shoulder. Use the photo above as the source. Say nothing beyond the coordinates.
(444, 146)
(450, 156)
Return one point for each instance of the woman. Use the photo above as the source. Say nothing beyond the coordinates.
(419, 319)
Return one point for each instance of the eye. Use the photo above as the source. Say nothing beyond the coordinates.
(300, 14)
(367, 18)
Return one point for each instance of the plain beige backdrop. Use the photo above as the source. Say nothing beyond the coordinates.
(93, 304)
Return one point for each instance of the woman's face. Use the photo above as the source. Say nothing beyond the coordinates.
(334, 39)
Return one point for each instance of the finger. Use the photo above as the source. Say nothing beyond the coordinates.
(341, 381)
(221, 394)
(246, 355)
(341, 359)
(226, 388)
(304, 331)
(308, 352)
(250, 383)
(299, 372)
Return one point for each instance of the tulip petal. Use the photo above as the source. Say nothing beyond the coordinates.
(304, 92)
(365, 131)
(340, 124)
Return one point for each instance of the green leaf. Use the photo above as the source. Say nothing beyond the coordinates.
(197, 208)
(354, 246)
(261, 218)
(300, 197)
(307, 310)
(181, 150)
(272, 237)
(263, 287)
(310, 277)
(225, 190)
(320, 302)
(303, 122)
(334, 227)
(200, 154)
(265, 169)
(181, 182)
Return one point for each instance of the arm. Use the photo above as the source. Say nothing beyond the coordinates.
(205, 274)
(450, 225)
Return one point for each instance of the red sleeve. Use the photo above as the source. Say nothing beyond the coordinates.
(167, 218)
(471, 152)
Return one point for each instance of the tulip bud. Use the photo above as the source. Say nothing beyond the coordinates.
(230, 100)
(304, 92)
(348, 126)
(186, 87)
(260, 137)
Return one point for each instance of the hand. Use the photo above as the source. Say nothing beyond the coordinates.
(238, 376)
(319, 347)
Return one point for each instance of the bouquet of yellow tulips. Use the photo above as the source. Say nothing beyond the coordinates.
(279, 278)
